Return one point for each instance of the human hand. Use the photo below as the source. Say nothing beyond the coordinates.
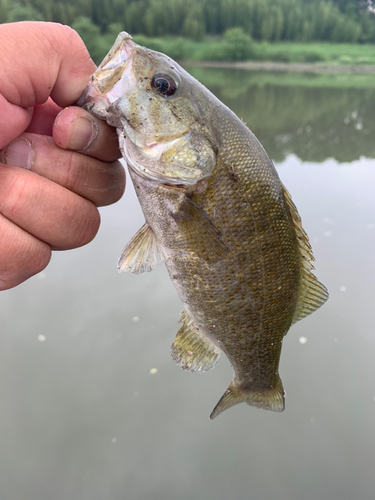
(67, 156)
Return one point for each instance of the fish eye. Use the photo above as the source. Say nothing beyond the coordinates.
(164, 84)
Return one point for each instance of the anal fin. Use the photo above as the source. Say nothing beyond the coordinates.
(272, 399)
(192, 350)
(141, 254)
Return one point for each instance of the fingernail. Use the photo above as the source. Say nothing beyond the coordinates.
(84, 132)
(18, 153)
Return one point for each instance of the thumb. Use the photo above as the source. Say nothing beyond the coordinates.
(39, 60)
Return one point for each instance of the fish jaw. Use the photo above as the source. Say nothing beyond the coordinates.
(111, 81)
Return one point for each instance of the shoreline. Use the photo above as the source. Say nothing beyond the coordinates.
(280, 66)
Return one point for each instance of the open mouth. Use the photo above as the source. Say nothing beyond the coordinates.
(112, 79)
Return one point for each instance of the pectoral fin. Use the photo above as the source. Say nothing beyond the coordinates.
(198, 234)
(141, 254)
(192, 350)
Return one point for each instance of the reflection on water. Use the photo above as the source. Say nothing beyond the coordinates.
(314, 122)
(92, 405)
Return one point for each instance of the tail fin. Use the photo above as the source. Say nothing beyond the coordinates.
(273, 400)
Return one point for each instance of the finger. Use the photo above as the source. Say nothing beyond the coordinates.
(100, 182)
(59, 64)
(43, 118)
(46, 210)
(13, 121)
(78, 130)
(21, 254)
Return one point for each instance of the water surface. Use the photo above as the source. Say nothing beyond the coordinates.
(94, 408)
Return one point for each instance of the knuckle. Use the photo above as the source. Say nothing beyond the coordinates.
(89, 227)
(113, 184)
(22, 256)
(66, 34)
(72, 170)
(12, 192)
(81, 223)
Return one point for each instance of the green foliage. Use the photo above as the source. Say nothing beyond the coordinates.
(193, 27)
(90, 34)
(176, 48)
(238, 46)
(312, 57)
(346, 30)
(279, 56)
(4, 10)
(150, 43)
(343, 21)
(18, 12)
(367, 28)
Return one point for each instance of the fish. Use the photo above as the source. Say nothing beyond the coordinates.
(217, 215)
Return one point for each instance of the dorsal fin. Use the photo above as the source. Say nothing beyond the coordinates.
(312, 293)
(191, 349)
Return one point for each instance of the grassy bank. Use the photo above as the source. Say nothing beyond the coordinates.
(330, 53)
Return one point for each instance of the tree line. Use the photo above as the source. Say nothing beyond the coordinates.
(347, 21)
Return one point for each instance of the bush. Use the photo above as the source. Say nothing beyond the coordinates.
(281, 56)
(238, 45)
(312, 57)
(174, 48)
(150, 43)
(177, 49)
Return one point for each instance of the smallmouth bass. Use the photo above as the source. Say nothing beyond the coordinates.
(216, 214)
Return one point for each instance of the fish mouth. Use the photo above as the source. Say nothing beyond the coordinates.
(107, 83)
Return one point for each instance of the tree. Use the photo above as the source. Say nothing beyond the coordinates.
(90, 34)
(18, 12)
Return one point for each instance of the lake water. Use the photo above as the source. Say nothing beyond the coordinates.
(94, 408)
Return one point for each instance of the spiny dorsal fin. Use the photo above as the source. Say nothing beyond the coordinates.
(272, 399)
(141, 254)
(198, 233)
(192, 350)
(312, 293)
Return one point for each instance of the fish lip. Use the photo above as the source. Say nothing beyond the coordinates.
(97, 97)
(123, 44)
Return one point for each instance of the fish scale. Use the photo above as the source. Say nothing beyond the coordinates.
(216, 214)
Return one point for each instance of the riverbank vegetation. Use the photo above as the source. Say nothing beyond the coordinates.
(339, 31)
(235, 45)
(348, 21)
